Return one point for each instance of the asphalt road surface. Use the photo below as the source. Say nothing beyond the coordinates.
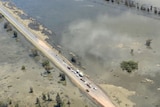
(82, 82)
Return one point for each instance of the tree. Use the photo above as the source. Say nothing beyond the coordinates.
(45, 63)
(126, 3)
(129, 66)
(73, 60)
(23, 68)
(6, 24)
(43, 97)
(37, 101)
(69, 103)
(151, 8)
(148, 42)
(15, 34)
(58, 100)
(47, 66)
(63, 77)
(155, 10)
(31, 90)
(34, 52)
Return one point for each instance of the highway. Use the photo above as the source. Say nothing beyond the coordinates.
(82, 82)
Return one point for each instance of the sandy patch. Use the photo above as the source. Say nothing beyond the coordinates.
(119, 95)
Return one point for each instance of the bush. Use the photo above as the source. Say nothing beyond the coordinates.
(129, 66)
(6, 24)
(45, 63)
(15, 34)
(148, 42)
(35, 53)
(23, 68)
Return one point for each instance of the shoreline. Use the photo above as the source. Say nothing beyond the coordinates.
(16, 12)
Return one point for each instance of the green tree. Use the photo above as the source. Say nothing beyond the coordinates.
(129, 66)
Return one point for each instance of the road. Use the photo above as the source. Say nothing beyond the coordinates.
(90, 88)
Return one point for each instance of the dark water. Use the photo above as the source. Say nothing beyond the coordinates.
(58, 14)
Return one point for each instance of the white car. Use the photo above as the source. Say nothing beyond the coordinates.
(94, 88)
(77, 70)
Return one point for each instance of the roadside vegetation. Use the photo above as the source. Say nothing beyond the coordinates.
(47, 66)
(62, 79)
(46, 98)
(148, 43)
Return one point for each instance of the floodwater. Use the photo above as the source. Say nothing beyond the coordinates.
(102, 35)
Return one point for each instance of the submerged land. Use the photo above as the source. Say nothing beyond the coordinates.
(139, 89)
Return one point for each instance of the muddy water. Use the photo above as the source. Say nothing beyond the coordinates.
(102, 35)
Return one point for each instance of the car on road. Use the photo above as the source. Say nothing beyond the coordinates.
(94, 88)
(68, 67)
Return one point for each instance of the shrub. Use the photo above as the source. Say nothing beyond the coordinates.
(129, 66)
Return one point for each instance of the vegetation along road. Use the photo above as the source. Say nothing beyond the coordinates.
(83, 82)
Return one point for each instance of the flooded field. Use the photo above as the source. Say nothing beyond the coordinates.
(102, 35)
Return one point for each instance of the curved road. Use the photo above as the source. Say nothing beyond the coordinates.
(62, 63)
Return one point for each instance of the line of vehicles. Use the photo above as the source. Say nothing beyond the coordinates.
(81, 76)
